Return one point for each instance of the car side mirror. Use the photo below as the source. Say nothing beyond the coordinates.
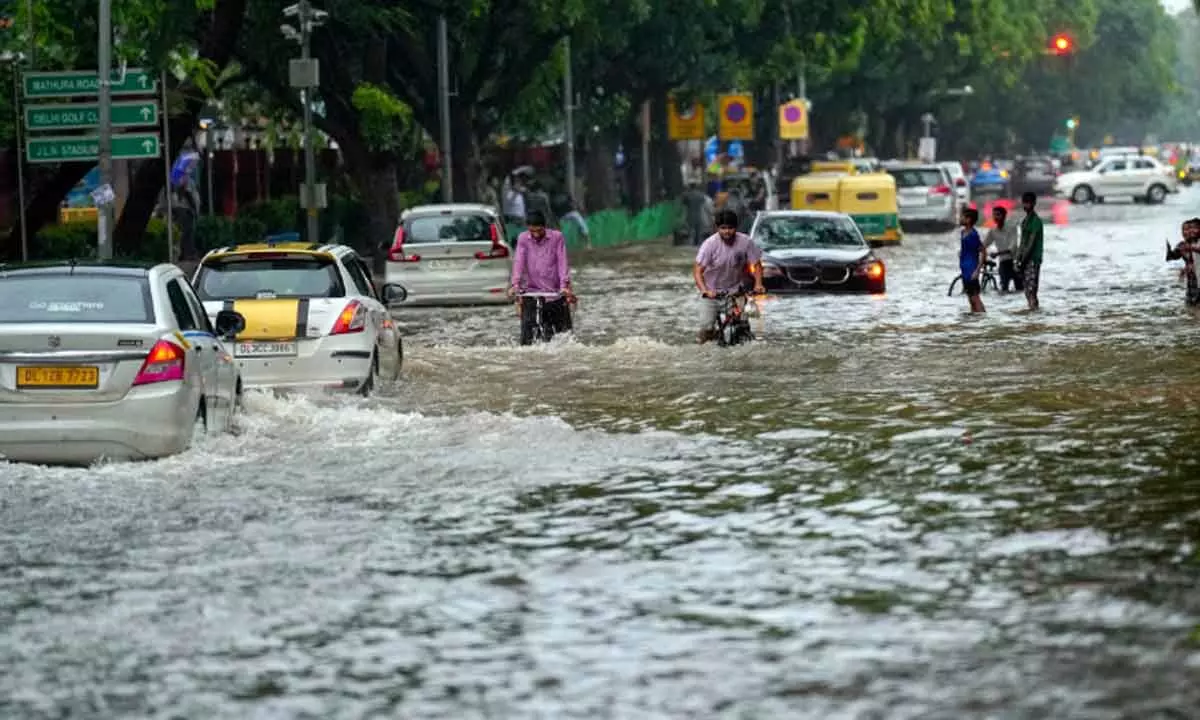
(229, 324)
(394, 294)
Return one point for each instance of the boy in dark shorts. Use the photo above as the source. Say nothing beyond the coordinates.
(972, 255)
(1029, 256)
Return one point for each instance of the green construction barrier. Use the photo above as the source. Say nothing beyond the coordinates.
(611, 228)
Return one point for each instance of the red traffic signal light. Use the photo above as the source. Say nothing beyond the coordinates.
(1061, 44)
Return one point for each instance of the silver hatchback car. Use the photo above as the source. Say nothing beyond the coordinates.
(454, 254)
(100, 361)
(925, 195)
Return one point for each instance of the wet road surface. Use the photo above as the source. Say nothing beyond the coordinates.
(886, 509)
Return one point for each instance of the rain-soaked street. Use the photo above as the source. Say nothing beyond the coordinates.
(887, 509)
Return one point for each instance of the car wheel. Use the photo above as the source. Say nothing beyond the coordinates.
(1156, 195)
(368, 385)
(1082, 195)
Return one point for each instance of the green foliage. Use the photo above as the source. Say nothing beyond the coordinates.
(79, 240)
(381, 117)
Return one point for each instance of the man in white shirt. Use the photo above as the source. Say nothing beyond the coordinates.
(1002, 240)
(514, 200)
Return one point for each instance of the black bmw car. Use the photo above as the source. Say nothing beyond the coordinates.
(811, 250)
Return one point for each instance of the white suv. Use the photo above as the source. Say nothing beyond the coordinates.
(1139, 177)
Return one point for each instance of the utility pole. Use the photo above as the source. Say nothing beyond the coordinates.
(104, 251)
(304, 74)
(569, 118)
(443, 63)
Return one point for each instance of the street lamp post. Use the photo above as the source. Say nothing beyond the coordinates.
(443, 69)
(304, 74)
(569, 117)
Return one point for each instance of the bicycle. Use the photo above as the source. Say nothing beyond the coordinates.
(733, 327)
(986, 277)
(534, 328)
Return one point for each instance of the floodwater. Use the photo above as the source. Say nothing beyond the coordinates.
(885, 509)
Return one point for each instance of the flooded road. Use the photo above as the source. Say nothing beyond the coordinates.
(886, 509)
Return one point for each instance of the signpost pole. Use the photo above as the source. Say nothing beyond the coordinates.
(168, 190)
(104, 53)
(20, 163)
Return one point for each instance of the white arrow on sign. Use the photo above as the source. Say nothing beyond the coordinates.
(148, 145)
(144, 81)
(146, 113)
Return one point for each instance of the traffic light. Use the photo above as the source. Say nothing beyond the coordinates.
(1061, 44)
(1072, 123)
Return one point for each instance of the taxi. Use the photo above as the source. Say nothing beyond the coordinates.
(313, 317)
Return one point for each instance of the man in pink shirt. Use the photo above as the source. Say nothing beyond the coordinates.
(540, 266)
(723, 263)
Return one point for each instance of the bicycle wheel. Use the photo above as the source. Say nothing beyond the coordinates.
(953, 284)
(989, 279)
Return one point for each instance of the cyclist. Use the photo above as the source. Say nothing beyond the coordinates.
(722, 263)
(540, 266)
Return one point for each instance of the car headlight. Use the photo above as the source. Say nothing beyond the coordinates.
(770, 270)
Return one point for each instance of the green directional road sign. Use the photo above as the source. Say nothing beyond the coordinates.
(86, 83)
(87, 115)
(87, 148)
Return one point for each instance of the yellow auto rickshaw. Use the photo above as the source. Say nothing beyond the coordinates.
(846, 167)
(869, 199)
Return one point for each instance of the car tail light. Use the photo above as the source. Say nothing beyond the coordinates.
(396, 254)
(498, 249)
(961, 182)
(164, 363)
(940, 190)
(352, 319)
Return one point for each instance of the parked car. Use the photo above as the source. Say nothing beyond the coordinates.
(926, 195)
(313, 316)
(1140, 177)
(805, 250)
(1034, 174)
(106, 361)
(962, 188)
(452, 254)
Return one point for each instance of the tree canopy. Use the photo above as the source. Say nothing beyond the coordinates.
(871, 68)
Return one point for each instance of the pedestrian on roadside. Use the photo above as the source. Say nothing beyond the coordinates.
(971, 258)
(1029, 253)
(514, 200)
(1002, 239)
(697, 213)
(1187, 251)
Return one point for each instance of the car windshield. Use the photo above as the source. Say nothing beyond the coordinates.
(917, 177)
(305, 277)
(447, 228)
(800, 231)
(75, 298)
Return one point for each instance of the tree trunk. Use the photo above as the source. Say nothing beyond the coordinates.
(43, 200)
(465, 162)
(601, 182)
(218, 46)
(631, 140)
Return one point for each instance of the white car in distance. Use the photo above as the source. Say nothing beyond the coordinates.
(1141, 177)
(453, 254)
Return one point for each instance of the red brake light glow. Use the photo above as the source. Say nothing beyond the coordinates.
(498, 250)
(352, 319)
(940, 190)
(396, 253)
(165, 362)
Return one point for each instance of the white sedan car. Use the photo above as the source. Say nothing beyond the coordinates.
(450, 255)
(313, 318)
(99, 361)
(1139, 177)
